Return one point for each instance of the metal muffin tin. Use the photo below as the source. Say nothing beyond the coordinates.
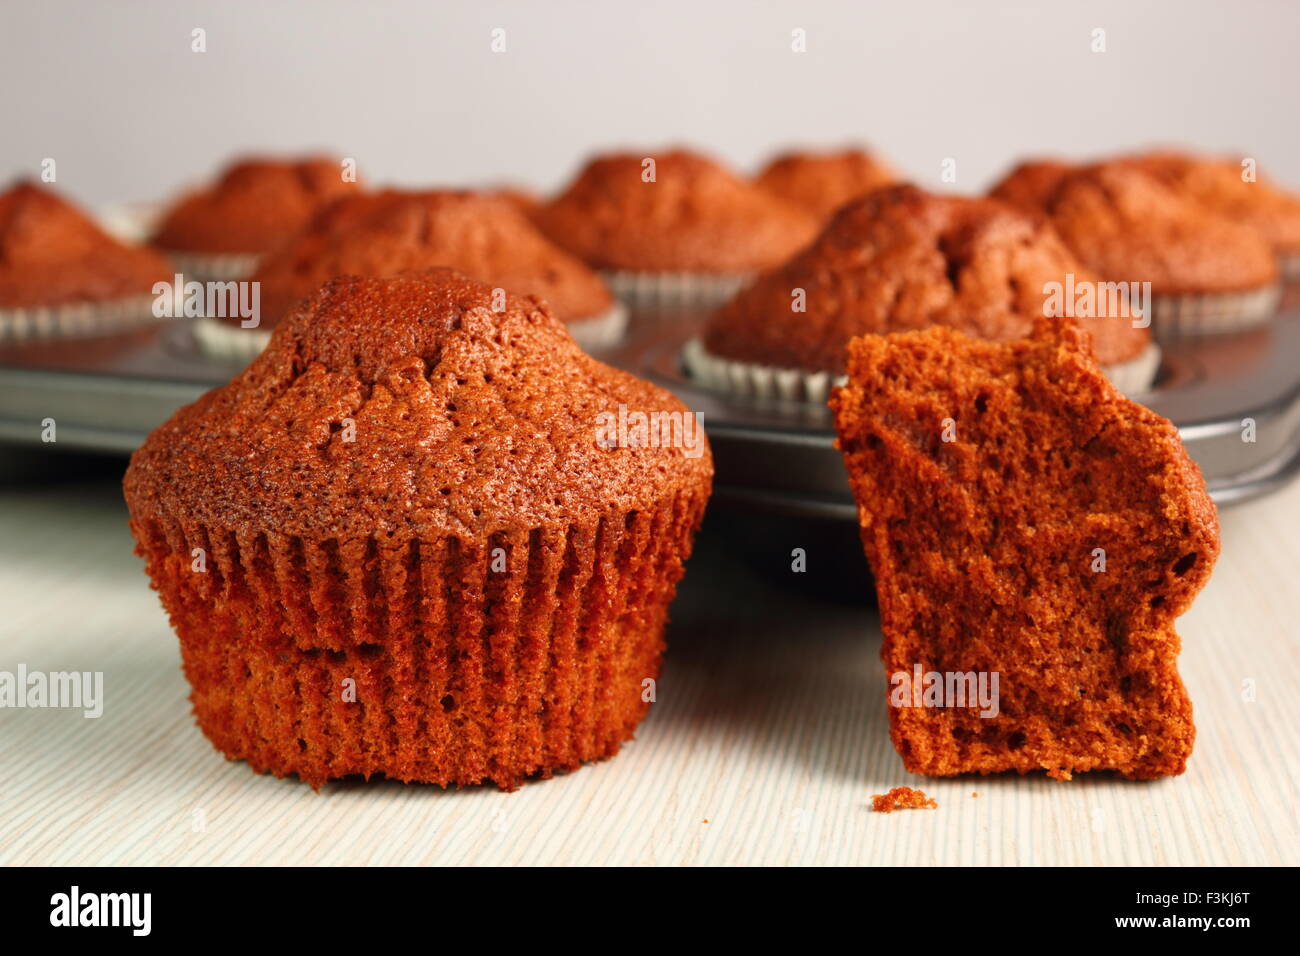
(105, 394)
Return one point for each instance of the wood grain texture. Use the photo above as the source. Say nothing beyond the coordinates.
(766, 743)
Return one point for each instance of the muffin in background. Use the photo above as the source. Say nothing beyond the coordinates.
(822, 182)
(220, 231)
(401, 542)
(897, 260)
(393, 231)
(62, 274)
(1207, 273)
(673, 228)
(1217, 184)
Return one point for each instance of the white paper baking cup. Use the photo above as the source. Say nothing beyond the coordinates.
(1180, 316)
(76, 319)
(752, 380)
(666, 290)
(231, 343)
(601, 332)
(213, 266)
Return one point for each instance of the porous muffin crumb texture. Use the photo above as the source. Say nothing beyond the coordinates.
(51, 253)
(695, 216)
(1051, 540)
(254, 205)
(417, 559)
(486, 237)
(902, 259)
(902, 798)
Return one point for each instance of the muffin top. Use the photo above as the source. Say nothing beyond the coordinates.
(51, 253)
(1128, 225)
(695, 216)
(1217, 185)
(902, 259)
(253, 207)
(822, 182)
(405, 407)
(486, 237)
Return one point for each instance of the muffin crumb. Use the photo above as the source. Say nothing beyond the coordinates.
(902, 798)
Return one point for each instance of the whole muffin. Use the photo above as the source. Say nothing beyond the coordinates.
(1217, 184)
(690, 235)
(896, 260)
(484, 236)
(822, 182)
(1207, 273)
(60, 273)
(220, 231)
(399, 542)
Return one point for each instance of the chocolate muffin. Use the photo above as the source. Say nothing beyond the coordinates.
(1025, 524)
(1217, 185)
(405, 540)
(60, 273)
(823, 182)
(674, 227)
(484, 236)
(220, 231)
(901, 259)
(1207, 273)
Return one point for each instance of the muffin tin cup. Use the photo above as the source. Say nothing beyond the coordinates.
(796, 385)
(673, 290)
(1182, 316)
(423, 660)
(213, 266)
(77, 319)
(230, 343)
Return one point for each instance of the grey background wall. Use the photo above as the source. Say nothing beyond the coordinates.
(113, 92)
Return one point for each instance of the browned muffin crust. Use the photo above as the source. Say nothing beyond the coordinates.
(823, 182)
(486, 237)
(404, 492)
(902, 259)
(697, 216)
(985, 551)
(499, 405)
(1127, 225)
(1217, 185)
(254, 206)
(51, 253)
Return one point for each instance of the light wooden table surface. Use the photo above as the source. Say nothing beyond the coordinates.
(767, 741)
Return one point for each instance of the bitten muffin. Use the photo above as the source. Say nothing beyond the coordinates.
(220, 231)
(379, 234)
(60, 273)
(404, 541)
(901, 259)
(1207, 273)
(1025, 522)
(673, 227)
(823, 182)
(1217, 184)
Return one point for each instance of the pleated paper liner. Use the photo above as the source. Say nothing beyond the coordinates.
(796, 385)
(77, 319)
(213, 266)
(1183, 316)
(669, 290)
(227, 342)
(415, 659)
